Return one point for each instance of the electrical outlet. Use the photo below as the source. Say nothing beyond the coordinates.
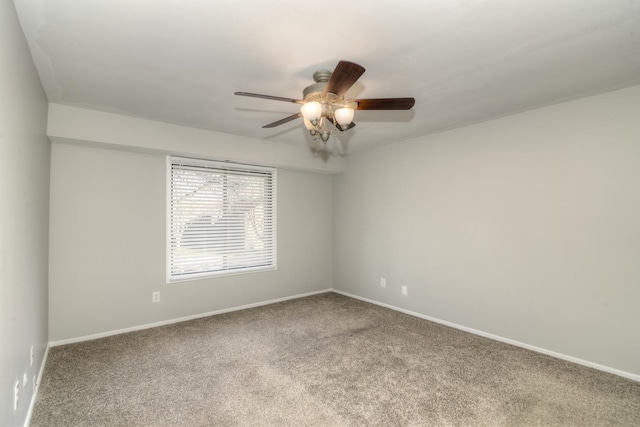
(404, 290)
(383, 282)
(16, 394)
(155, 297)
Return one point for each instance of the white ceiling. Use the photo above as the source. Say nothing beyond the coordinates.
(464, 61)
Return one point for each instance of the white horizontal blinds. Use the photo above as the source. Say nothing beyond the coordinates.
(222, 218)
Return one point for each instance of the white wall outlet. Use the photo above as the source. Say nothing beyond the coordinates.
(404, 290)
(32, 356)
(16, 394)
(155, 297)
(383, 282)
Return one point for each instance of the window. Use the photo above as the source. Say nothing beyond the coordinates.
(221, 219)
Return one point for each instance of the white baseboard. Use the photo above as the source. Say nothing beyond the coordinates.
(597, 366)
(35, 392)
(180, 319)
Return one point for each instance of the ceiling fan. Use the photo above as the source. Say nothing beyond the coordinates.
(324, 102)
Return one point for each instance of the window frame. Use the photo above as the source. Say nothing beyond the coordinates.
(222, 166)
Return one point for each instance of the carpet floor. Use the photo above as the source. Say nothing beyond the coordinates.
(325, 360)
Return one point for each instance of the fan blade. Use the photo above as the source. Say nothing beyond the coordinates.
(343, 77)
(273, 98)
(337, 125)
(283, 121)
(385, 104)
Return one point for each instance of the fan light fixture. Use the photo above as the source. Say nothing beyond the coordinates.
(324, 102)
(344, 116)
(316, 115)
(312, 111)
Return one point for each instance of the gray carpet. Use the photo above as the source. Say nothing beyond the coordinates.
(325, 360)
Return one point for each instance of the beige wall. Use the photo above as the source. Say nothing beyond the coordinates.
(108, 245)
(526, 227)
(84, 127)
(24, 213)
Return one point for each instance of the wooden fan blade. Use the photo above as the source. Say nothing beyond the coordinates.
(343, 77)
(273, 98)
(385, 104)
(337, 125)
(283, 121)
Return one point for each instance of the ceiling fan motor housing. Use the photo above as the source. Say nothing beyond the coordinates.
(314, 91)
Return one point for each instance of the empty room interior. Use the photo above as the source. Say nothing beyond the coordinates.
(337, 213)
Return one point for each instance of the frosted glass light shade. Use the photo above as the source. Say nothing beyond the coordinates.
(344, 116)
(311, 111)
(308, 124)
